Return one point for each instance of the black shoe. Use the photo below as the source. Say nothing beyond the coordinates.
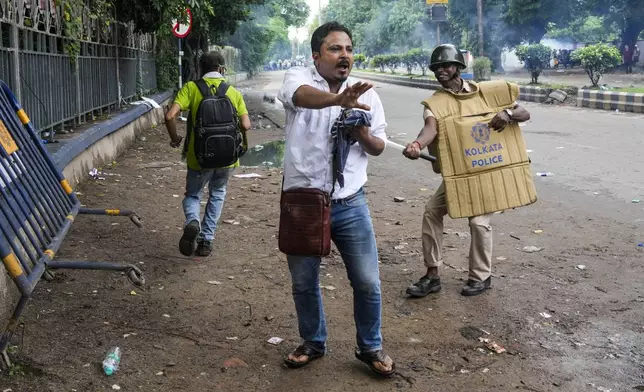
(188, 241)
(475, 287)
(424, 286)
(204, 248)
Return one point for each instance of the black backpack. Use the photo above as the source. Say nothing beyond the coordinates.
(218, 140)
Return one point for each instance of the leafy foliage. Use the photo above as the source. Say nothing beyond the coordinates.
(73, 22)
(254, 41)
(529, 19)
(420, 58)
(597, 59)
(408, 60)
(294, 13)
(626, 15)
(535, 57)
(392, 61)
(482, 68)
(382, 26)
(379, 61)
(269, 25)
(589, 29)
(359, 59)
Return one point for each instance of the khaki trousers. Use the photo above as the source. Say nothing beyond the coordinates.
(481, 233)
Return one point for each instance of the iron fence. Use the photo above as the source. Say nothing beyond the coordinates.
(113, 64)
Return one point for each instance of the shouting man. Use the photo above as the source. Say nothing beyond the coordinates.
(313, 99)
(446, 63)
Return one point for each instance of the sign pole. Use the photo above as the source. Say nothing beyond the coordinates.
(180, 68)
(181, 31)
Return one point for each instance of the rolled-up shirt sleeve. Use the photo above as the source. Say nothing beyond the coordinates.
(378, 122)
(295, 78)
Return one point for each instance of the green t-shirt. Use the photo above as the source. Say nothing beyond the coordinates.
(189, 98)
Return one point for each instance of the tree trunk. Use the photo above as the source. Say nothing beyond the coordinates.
(630, 34)
(479, 10)
(497, 61)
(537, 34)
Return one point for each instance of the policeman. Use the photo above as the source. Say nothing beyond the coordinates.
(447, 62)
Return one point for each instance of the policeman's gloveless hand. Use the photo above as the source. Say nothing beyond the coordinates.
(348, 99)
(412, 151)
(500, 121)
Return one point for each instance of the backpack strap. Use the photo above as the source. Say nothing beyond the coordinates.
(223, 88)
(204, 88)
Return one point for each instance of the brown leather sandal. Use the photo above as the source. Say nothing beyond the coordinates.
(370, 357)
(303, 349)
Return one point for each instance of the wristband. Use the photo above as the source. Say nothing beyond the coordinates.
(417, 142)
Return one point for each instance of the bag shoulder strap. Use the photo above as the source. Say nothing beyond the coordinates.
(204, 88)
(222, 90)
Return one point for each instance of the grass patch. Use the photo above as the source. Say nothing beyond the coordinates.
(629, 90)
(553, 86)
(619, 89)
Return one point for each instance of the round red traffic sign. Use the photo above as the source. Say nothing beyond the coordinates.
(181, 30)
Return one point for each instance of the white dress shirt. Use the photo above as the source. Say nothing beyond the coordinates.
(308, 154)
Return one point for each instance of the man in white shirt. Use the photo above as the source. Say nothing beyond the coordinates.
(313, 99)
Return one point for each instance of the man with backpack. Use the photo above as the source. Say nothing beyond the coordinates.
(215, 140)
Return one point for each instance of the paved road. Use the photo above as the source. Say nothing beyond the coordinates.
(586, 210)
(564, 328)
(594, 152)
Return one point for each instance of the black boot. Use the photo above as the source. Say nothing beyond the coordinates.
(204, 248)
(425, 286)
(188, 241)
(475, 287)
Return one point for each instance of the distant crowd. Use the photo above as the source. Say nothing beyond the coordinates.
(285, 64)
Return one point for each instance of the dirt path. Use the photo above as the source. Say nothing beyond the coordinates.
(203, 324)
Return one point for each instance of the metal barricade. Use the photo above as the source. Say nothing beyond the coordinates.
(37, 209)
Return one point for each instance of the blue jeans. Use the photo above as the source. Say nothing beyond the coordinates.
(196, 180)
(352, 232)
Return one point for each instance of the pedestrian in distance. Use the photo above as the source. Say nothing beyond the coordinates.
(216, 139)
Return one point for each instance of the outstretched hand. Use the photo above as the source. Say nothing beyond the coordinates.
(348, 99)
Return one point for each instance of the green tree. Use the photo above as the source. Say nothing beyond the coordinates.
(392, 61)
(482, 68)
(587, 29)
(408, 60)
(359, 60)
(293, 12)
(379, 61)
(597, 59)
(268, 25)
(463, 28)
(281, 48)
(405, 23)
(529, 19)
(254, 41)
(535, 57)
(421, 59)
(362, 17)
(626, 15)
